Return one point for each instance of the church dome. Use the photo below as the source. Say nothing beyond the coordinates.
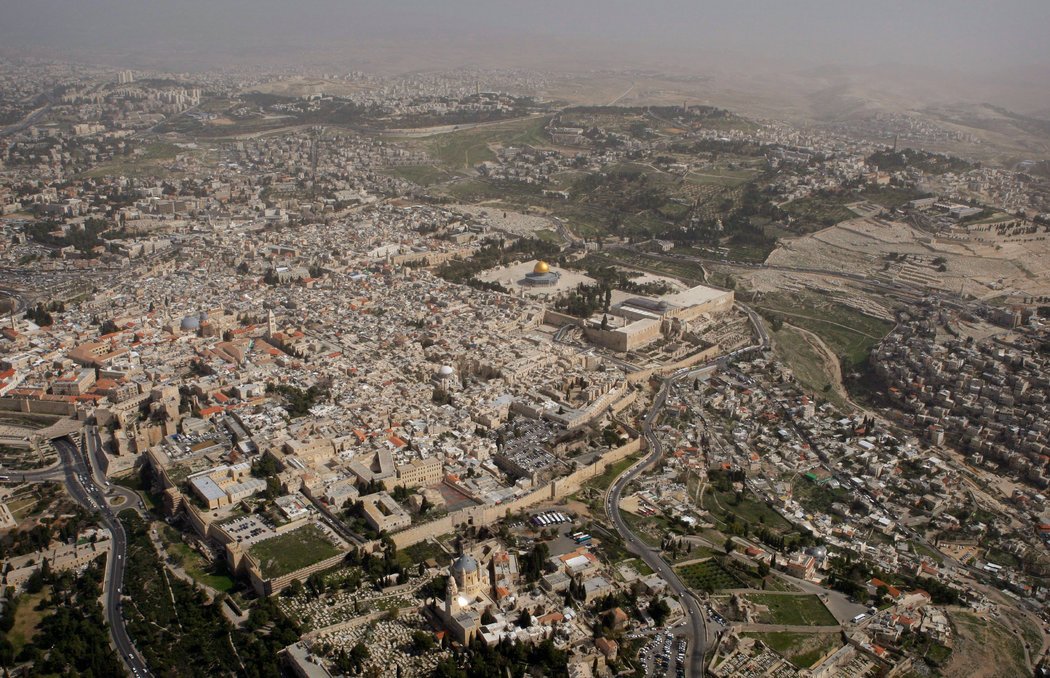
(465, 564)
(190, 323)
(445, 371)
(541, 267)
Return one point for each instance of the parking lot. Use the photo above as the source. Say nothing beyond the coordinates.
(664, 655)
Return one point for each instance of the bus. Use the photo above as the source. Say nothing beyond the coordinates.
(583, 539)
(577, 535)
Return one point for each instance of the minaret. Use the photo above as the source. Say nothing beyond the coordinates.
(271, 324)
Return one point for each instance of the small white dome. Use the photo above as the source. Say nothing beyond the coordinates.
(446, 371)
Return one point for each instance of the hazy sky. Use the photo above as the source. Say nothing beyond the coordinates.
(985, 35)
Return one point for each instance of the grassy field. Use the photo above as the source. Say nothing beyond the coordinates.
(549, 236)
(27, 619)
(603, 481)
(415, 554)
(638, 566)
(424, 175)
(213, 576)
(683, 270)
(21, 507)
(147, 163)
(707, 576)
(801, 649)
(719, 177)
(820, 211)
(698, 551)
(292, 551)
(793, 610)
(926, 551)
(849, 333)
(807, 364)
(470, 147)
(749, 509)
(818, 498)
(816, 213)
(650, 529)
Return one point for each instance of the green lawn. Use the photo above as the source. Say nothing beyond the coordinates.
(793, 610)
(292, 551)
(707, 576)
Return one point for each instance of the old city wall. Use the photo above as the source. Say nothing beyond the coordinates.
(486, 515)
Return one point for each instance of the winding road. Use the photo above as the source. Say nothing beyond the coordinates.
(695, 626)
(80, 480)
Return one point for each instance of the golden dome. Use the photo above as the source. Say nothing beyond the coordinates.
(541, 267)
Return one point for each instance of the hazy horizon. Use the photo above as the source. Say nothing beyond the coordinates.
(812, 58)
(938, 34)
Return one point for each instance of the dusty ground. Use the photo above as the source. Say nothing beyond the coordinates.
(984, 648)
(845, 292)
(975, 264)
(509, 221)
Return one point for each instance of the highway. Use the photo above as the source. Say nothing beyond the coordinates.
(25, 122)
(85, 490)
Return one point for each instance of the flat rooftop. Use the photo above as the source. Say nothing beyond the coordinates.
(694, 296)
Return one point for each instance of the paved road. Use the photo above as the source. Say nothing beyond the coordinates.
(85, 491)
(695, 624)
(93, 451)
(25, 122)
(695, 627)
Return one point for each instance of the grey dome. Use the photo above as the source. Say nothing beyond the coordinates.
(190, 323)
(465, 564)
